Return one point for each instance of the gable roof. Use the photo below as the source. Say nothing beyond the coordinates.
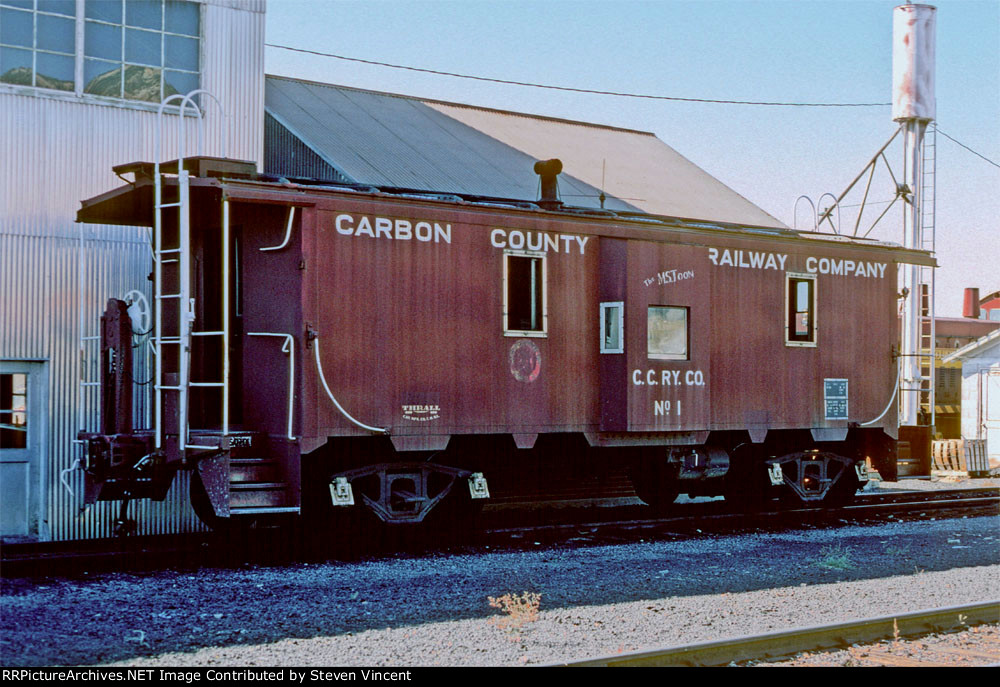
(972, 349)
(398, 141)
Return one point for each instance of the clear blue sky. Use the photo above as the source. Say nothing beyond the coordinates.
(788, 51)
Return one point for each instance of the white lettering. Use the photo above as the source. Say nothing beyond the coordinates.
(516, 240)
(340, 225)
(383, 225)
(423, 231)
(442, 233)
(713, 254)
(636, 379)
(651, 378)
(498, 243)
(364, 227)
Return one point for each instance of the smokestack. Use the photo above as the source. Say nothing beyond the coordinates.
(970, 308)
(548, 170)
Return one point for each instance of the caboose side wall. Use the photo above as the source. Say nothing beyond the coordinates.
(381, 300)
(411, 338)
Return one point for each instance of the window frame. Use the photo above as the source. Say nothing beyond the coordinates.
(620, 307)
(687, 333)
(813, 341)
(543, 279)
(79, 55)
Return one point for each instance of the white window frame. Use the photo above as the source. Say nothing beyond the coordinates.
(78, 95)
(620, 307)
(789, 276)
(543, 279)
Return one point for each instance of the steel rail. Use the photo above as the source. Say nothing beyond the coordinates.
(818, 638)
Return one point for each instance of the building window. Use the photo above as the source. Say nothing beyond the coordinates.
(800, 310)
(524, 309)
(13, 411)
(667, 332)
(143, 50)
(613, 327)
(38, 43)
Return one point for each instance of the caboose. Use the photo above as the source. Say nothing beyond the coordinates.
(320, 346)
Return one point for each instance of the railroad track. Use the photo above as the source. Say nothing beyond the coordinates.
(715, 517)
(506, 526)
(810, 639)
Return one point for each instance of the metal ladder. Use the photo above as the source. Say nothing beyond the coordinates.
(926, 285)
(177, 258)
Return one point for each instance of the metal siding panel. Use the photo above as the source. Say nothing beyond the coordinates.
(633, 166)
(388, 140)
(65, 148)
(287, 155)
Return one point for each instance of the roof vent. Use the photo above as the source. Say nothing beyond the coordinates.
(548, 170)
(970, 308)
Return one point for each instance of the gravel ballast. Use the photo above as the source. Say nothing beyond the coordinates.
(434, 609)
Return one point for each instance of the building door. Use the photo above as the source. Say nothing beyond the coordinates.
(22, 446)
(991, 414)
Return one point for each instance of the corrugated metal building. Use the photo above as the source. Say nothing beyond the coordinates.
(79, 86)
(385, 140)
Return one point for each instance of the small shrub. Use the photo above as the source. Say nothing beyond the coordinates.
(519, 609)
(835, 558)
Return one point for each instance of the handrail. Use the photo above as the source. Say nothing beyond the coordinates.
(288, 231)
(287, 347)
(895, 388)
(322, 378)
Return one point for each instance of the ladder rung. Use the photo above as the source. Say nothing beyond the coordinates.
(207, 383)
(173, 341)
(210, 448)
(169, 205)
(165, 251)
(164, 296)
(168, 388)
(207, 333)
(90, 338)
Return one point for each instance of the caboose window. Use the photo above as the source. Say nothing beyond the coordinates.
(613, 327)
(667, 332)
(524, 310)
(800, 315)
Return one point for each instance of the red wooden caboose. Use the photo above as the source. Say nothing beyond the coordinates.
(341, 344)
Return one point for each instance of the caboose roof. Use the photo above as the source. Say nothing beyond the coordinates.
(386, 140)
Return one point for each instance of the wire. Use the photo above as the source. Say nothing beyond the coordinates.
(966, 147)
(567, 88)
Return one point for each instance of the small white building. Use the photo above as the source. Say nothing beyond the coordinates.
(981, 392)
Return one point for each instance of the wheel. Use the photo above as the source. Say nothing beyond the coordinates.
(202, 506)
(655, 481)
(844, 491)
(746, 486)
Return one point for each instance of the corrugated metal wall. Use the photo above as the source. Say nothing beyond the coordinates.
(286, 155)
(57, 149)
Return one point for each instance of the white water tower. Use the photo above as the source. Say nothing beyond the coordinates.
(913, 106)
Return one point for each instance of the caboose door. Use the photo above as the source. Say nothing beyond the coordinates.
(22, 446)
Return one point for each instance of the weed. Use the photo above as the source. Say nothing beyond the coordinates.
(520, 609)
(894, 551)
(835, 558)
